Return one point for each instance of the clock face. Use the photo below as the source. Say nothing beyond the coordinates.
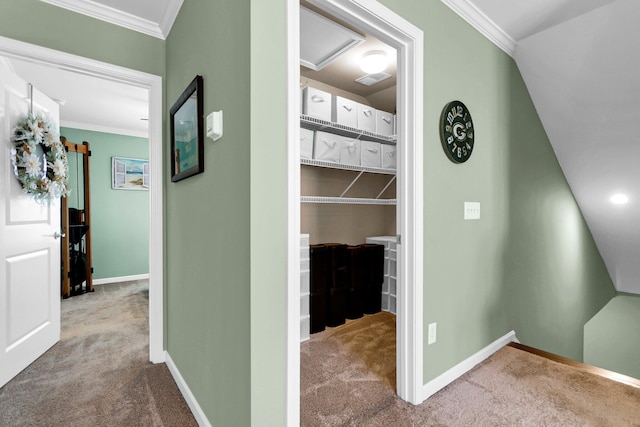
(456, 131)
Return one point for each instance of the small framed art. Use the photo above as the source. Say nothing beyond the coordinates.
(129, 174)
(187, 132)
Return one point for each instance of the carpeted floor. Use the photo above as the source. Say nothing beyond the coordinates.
(348, 377)
(99, 373)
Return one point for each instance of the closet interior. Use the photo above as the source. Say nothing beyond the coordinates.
(348, 173)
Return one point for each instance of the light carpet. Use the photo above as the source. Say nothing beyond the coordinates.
(348, 379)
(99, 373)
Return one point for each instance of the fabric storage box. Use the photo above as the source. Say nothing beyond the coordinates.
(355, 305)
(385, 123)
(388, 156)
(350, 152)
(366, 118)
(344, 111)
(373, 276)
(370, 154)
(326, 146)
(316, 103)
(306, 143)
(319, 284)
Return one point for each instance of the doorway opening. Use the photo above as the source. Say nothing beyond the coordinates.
(383, 24)
(153, 84)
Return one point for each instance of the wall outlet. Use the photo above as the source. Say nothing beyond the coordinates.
(432, 333)
(471, 210)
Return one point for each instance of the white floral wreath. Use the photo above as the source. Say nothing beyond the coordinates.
(39, 159)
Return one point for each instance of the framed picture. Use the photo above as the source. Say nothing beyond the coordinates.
(187, 133)
(129, 174)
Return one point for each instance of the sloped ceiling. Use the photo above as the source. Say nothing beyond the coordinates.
(580, 61)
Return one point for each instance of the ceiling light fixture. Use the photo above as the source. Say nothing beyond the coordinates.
(374, 61)
(619, 199)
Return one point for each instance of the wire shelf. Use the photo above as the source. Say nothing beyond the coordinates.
(347, 200)
(309, 122)
(332, 165)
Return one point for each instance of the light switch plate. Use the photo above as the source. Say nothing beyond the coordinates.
(471, 210)
(214, 125)
(431, 339)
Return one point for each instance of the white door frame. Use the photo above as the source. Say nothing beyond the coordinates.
(379, 21)
(70, 62)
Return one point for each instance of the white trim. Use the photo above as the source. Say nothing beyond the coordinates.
(169, 16)
(118, 17)
(443, 380)
(394, 30)
(103, 129)
(293, 213)
(485, 25)
(103, 70)
(120, 279)
(191, 400)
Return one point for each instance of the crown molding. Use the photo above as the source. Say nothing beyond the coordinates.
(481, 22)
(123, 19)
(169, 16)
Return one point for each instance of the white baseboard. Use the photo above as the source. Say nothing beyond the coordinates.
(197, 411)
(443, 380)
(120, 279)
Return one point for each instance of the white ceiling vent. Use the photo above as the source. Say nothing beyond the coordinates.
(371, 79)
(322, 41)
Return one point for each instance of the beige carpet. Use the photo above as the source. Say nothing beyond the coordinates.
(98, 374)
(347, 379)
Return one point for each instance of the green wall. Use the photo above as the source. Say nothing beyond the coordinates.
(612, 337)
(119, 218)
(529, 263)
(207, 216)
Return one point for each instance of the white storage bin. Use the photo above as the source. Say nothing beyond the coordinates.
(304, 243)
(384, 303)
(366, 118)
(350, 152)
(316, 103)
(344, 111)
(370, 154)
(305, 328)
(306, 143)
(385, 123)
(326, 146)
(305, 280)
(388, 156)
(304, 305)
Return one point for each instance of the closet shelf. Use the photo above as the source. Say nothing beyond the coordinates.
(332, 165)
(313, 123)
(347, 200)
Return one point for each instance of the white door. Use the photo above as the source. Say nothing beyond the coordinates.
(29, 252)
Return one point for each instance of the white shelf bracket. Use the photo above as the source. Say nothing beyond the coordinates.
(352, 183)
(393, 178)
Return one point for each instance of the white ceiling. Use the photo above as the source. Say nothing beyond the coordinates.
(88, 102)
(579, 59)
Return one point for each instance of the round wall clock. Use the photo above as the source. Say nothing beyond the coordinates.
(456, 131)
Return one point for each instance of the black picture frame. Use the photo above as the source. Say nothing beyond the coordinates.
(187, 132)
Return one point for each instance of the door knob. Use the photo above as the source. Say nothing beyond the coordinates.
(57, 235)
